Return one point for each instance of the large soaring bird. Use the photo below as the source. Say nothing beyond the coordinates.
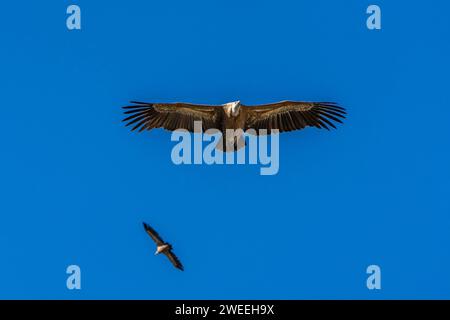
(163, 247)
(283, 116)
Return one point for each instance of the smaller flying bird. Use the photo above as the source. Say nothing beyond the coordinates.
(163, 247)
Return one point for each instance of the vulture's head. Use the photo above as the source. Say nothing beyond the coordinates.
(232, 108)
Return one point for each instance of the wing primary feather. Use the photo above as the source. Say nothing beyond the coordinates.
(142, 103)
(308, 119)
(153, 234)
(332, 107)
(136, 107)
(321, 121)
(335, 112)
(144, 125)
(174, 259)
(326, 120)
(136, 119)
(137, 110)
(330, 116)
(140, 123)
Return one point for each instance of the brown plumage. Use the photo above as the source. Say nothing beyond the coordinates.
(163, 247)
(283, 116)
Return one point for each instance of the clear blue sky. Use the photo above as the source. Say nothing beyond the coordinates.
(76, 185)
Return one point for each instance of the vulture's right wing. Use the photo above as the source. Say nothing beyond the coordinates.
(153, 234)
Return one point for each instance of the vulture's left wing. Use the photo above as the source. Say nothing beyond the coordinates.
(292, 115)
(174, 259)
(171, 116)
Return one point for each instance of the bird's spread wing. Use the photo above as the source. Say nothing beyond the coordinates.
(153, 234)
(174, 259)
(291, 115)
(171, 116)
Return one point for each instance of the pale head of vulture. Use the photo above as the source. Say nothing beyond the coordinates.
(232, 108)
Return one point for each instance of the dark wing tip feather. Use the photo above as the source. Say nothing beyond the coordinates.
(131, 107)
(326, 112)
(137, 113)
(176, 262)
(146, 226)
(332, 105)
(141, 107)
(141, 103)
(152, 233)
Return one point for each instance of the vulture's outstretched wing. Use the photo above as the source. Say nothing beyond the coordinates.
(171, 116)
(291, 115)
(153, 234)
(174, 259)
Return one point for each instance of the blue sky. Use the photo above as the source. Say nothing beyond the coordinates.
(76, 185)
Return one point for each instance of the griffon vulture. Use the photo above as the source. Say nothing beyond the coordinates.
(283, 116)
(163, 247)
